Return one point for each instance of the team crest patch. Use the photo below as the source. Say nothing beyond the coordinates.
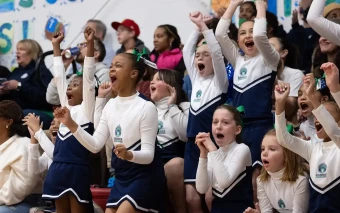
(281, 204)
(161, 130)
(322, 171)
(118, 133)
(243, 73)
(198, 96)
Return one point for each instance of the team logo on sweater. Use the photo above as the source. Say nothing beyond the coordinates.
(243, 73)
(118, 133)
(281, 204)
(198, 96)
(322, 171)
(161, 130)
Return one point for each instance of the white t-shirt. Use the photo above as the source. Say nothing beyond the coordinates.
(294, 77)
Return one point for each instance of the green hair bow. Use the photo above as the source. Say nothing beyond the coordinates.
(139, 54)
(241, 110)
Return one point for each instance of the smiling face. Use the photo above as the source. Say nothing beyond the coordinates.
(53, 130)
(158, 89)
(23, 56)
(326, 46)
(333, 109)
(224, 128)
(203, 60)
(75, 91)
(272, 154)
(245, 39)
(247, 11)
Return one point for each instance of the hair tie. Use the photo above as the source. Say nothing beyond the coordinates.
(79, 73)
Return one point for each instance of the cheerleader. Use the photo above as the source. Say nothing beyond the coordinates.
(173, 112)
(283, 182)
(68, 178)
(324, 172)
(227, 169)
(255, 73)
(206, 69)
(131, 120)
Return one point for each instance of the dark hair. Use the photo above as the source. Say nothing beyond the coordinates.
(174, 79)
(236, 116)
(149, 71)
(11, 110)
(252, 4)
(171, 31)
(293, 57)
(136, 65)
(100, 26)
(272, 22)
(98, 45)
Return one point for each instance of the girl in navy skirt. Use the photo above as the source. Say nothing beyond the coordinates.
(206, 69)
(68, 178)
(173, 112)
(227, 169)
(132, 123)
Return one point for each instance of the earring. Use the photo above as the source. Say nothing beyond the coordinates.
(6, 126)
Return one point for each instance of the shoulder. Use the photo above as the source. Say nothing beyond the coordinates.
(184, 105)
(242, 147)
(301, 182)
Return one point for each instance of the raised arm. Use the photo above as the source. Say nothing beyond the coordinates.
(148, 131)
(52, 96)
(36, 164)
(226, 175)
(189, 54)
(332, 80)
(328, 123)
(321, 25)
(104, 90)
(270, 55)
(93, 143)
(229, 48)
(295, 144)
(88, 103)
(301, 197)
(220, 78)
(179, 119)
(264, 202)
(59, 69)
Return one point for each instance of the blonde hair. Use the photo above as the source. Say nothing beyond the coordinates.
(294, 165)
(32, 47)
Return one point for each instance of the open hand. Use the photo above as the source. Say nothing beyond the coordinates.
(261, 5)
(32, 122)
(104, 89)
(89, 33)
(332, 76)
(282, 92)
(10, 85)
(309, 80)
(173, 95)
(58, 37)
(236, 2)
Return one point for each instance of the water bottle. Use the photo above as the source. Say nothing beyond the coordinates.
(74, 51)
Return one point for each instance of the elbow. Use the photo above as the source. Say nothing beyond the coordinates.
(201, 189)
(310, 19)
(219, 36)
(95, 150)
(148, 159)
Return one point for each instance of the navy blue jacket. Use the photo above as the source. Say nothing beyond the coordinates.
(32, 94)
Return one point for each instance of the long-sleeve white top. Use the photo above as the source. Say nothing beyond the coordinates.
(321, 25)
(283, 196)
(120, 117)
(37, 164)
(222, 168)
(15, 180)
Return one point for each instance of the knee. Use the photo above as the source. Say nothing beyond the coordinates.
(174, 169)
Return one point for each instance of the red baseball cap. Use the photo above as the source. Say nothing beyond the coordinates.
(127, 23)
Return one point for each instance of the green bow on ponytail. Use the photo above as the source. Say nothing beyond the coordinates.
(139, 54)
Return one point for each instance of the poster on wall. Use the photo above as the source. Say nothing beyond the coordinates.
(39, 20)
